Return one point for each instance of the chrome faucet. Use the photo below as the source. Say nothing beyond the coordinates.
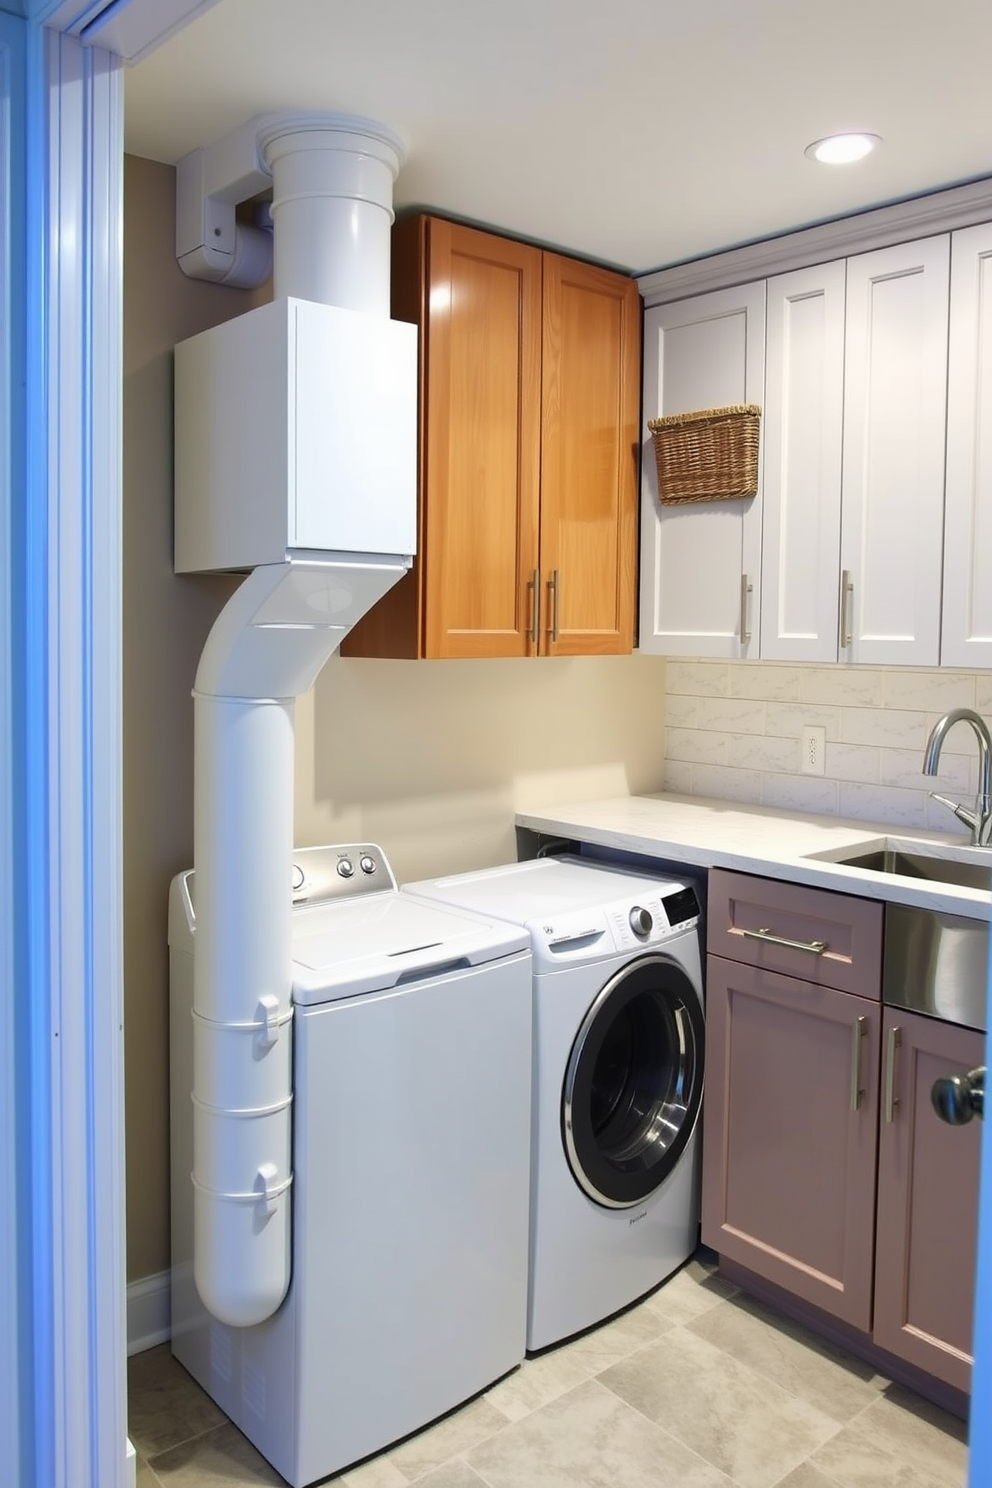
(980, 819)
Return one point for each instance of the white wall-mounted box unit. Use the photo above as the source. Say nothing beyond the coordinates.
(296, 428)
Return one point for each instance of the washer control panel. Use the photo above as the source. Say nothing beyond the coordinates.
(328, 873)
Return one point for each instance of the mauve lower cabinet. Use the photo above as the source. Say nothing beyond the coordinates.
(825, 1170)
(927, 1226)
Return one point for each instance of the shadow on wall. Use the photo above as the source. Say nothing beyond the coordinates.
(431, 759)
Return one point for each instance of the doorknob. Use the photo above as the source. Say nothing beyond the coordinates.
(956, 1098)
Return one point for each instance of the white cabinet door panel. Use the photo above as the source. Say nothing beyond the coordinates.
(802, 432)
(706, 352)
(894, 430)
(966, 638)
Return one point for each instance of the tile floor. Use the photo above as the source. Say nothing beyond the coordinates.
(699, 1386)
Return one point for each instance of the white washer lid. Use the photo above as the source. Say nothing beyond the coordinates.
(371, 944)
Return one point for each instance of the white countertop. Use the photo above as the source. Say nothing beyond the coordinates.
(700, 831)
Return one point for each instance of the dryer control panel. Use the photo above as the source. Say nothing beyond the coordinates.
(627, 925)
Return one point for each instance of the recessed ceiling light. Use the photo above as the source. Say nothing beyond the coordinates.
(842, 149)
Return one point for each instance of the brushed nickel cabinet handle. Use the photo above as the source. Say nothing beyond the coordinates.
(746, 589)
(860, 1025)
(846, 609)
(893, 1041)
(535, 612)
(554, 585)
(814, 947)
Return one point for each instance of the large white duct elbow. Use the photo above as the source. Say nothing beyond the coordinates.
(332, 210)
(272, 638)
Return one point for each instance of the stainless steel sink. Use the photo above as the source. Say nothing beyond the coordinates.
(967, 875)
(934, 962)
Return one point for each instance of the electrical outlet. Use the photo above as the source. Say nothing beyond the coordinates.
(812, 747)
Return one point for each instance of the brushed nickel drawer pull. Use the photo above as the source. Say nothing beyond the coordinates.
(856, 1090)
(554, 584)
(893, 1041)
(846, 606)
(814, 947)
(535, 614)
(746, 589)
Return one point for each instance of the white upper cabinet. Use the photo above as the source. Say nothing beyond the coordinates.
(700, 561)
(895, 388)
(873, 518)
(802, 432)
(966, 636)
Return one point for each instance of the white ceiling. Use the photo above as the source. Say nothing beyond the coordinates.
(637, 132)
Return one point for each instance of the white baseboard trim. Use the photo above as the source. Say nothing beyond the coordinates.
(149, 1312)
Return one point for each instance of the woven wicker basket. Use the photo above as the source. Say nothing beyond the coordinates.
(710, 455)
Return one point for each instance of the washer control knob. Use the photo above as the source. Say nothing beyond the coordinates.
(640, 920)
(299, 878)
(345, 867)
(366, 863)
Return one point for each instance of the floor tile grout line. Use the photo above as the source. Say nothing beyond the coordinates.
(839, 1426)
(388, 1455)
(671, 1435)
(198, 1436)
(767, 1376)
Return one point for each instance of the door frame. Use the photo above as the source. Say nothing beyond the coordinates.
(64, 910)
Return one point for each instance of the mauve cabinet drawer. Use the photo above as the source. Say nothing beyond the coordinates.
(740, 905)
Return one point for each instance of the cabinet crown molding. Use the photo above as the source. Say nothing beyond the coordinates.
(939, 211)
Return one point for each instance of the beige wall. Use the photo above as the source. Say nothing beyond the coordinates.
(428, 759)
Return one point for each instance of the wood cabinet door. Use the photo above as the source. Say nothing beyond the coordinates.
(591, 352)
(895, 390)
(480, 417)
(698, 558)
(790, 1134)
(928, 1175)
(966, 632)
(802, 432)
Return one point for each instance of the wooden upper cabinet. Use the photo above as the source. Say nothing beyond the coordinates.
(590, 404)
(529, 390)
(481, 446)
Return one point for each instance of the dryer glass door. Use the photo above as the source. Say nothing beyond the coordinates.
(634, 1082)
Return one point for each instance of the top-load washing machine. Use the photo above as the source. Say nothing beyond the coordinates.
(618, 1077)
(412, 1028)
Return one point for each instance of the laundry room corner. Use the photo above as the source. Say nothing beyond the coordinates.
(429, 759)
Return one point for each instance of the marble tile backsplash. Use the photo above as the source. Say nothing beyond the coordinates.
(732, 730)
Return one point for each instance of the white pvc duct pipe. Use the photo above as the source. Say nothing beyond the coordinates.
(332, 210)
(332, 187)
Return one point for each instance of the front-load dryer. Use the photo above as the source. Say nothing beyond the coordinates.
(618, 1077)
(412, 1028)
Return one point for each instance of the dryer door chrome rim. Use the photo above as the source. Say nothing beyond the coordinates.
(634, 1082)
